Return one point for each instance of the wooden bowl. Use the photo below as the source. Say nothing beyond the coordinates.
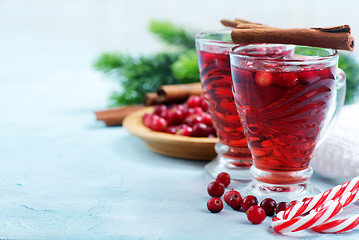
(196, 148)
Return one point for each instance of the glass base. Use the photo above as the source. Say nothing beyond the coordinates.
(280, 193)
(237, 168)
(270, 185)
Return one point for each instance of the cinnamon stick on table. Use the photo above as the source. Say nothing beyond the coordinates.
(115, 116)
(333, 37)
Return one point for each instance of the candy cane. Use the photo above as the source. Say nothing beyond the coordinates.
(318, 217)
(315, 218)
(338, 225)
(311, 203)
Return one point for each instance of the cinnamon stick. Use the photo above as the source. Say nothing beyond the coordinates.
(235, 22)
(115, 116)
(334, 37)
(179, 91)
(173, 93)
(151, 98)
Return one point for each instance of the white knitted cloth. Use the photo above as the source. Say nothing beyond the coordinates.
(338, 155)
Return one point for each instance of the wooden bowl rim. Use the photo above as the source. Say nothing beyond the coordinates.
(133, 123)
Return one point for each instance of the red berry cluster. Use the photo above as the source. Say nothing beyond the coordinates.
(286, 79)
(188, 119)
(249, 204)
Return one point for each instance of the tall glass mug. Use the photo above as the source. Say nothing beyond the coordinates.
(213, 59)
(285, 104)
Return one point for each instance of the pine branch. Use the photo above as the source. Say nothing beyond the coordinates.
(351, 68)
(172, 35)
(185, 68)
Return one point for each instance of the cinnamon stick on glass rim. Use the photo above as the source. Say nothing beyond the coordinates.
(235, 22)
(333, 37)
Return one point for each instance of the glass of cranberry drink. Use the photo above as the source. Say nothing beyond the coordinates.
(286, 104)
(213, 59)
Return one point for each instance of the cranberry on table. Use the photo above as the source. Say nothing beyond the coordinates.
(224, 178)
(256, 214)
(269, 205)
(215, 189)
(229, 194)
(249, 201)
(214, 205)
(281, 206)
(235, 201)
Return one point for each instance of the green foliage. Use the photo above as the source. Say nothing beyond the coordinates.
(107, 62)
(351, 68)
(185, 68)
(137, 76)
(172, 35)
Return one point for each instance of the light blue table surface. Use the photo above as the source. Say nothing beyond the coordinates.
(63, 175)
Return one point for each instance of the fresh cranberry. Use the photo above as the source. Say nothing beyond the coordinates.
(285, 79)
(175, 116)
(229, 194)
(180, 107)
(235, 201)
(212, 135)
(281, 206)
(215, 189)
(224, 178)
(158, 124)
(146, 119)
(256, 214)
(194, 101)
(159, 109)
(263, 79)
(172, 129)
(269, 205)
(214, 205)
(202, 130)
(192, 112)
(185, 131)
(204, 104)
(206, 119)
(192, 119)
(249, 201)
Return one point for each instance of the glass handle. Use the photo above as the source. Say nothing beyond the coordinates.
(340, 90)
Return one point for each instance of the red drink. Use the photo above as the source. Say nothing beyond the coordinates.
(284, 110)
(233, 155)
(217, 86)
(285, 104)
